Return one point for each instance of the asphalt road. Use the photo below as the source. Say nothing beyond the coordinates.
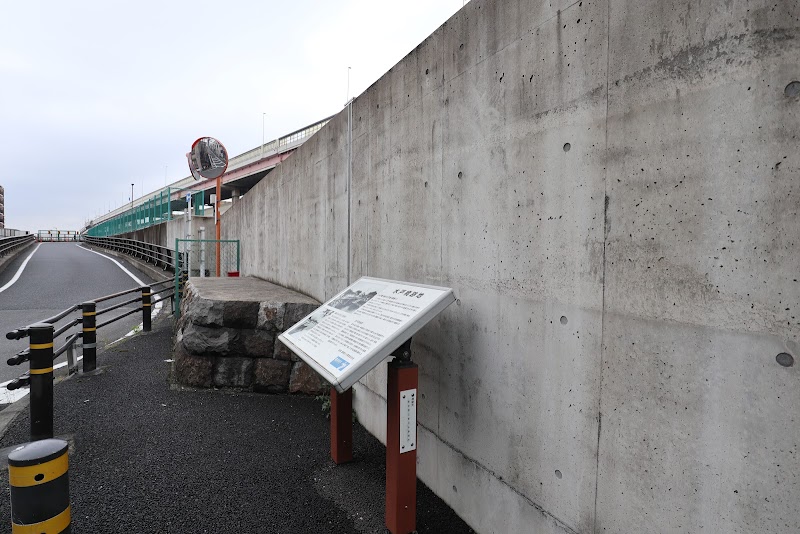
(58, 276)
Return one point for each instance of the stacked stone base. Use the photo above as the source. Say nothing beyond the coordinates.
(227, 337)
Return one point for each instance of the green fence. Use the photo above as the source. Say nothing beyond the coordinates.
(155, 210)
(198, 257)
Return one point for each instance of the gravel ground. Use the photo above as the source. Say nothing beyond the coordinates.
(148, 457)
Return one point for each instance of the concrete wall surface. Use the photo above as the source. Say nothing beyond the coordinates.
(611, 187)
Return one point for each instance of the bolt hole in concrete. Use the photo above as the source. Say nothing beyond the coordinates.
(39, 477)
(793, 89)
(455, 489)
(567, 146)
(785, 359)
(460, 174)
(563, 319)
(558, 473)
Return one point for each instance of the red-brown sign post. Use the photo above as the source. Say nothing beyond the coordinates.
(351, 334)
(342, 426)
(401, 442)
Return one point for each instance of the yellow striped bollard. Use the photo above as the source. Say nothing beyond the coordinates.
(41, 380)
(38, 474)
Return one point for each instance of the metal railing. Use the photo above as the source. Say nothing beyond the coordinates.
(57, 236)
(194, 257)
(159, 256)
(42, 352)
(276, 145)
(9, 244)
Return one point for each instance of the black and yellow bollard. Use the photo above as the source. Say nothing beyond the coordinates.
(38, 473)
(89, 336)
(41, 380)
(146, 307)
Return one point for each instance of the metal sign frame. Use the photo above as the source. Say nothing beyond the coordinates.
(356, 369)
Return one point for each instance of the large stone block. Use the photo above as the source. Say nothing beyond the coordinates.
(240, 314)
(200, 311)
(256, 343)
(210, 341)
(271, 315)
(305, 380)
(233, 372)
(191, 370)
(271, 376)
(282, 352)
(296, 311)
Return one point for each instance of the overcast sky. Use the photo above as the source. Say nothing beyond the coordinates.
(96, 95)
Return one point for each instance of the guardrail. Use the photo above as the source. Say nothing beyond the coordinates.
(41, 352)
(9, 244)
(276, 145)
(148, 252)
(57, 236)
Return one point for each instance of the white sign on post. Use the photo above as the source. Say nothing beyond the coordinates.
(408, 420)
(349, 335)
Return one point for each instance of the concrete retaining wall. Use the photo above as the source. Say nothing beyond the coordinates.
(611, 187)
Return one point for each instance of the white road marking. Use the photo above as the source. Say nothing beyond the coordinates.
(126, 271)
(8, 397)
(19, 271)
(158, 306)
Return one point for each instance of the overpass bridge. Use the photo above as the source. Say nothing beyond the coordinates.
(244, 172)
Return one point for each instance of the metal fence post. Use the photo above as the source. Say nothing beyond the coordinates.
(38, 475)
(71, 367)
(146, 309)
(41, 380)
(89, 336)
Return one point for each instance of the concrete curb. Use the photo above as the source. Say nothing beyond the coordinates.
(8, 415)
(14, 255)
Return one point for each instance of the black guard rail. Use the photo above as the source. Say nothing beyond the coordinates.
(10, 244)
(159, 256)
(42, 352)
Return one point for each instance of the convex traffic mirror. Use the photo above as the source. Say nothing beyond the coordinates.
(208, 158)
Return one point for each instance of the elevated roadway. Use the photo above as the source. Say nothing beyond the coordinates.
(55, 277)
(244, 171)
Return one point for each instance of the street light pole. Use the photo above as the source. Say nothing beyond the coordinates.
(263, 116)
(131, 196)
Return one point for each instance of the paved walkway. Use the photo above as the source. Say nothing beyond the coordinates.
(149, 457)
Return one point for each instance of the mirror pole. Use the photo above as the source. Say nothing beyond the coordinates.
(216, 211)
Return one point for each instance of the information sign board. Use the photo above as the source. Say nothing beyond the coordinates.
(353, 332)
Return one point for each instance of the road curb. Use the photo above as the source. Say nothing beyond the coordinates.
(8, 415)
(14, 255)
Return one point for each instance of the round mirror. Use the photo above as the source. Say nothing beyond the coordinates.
(208, 158)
